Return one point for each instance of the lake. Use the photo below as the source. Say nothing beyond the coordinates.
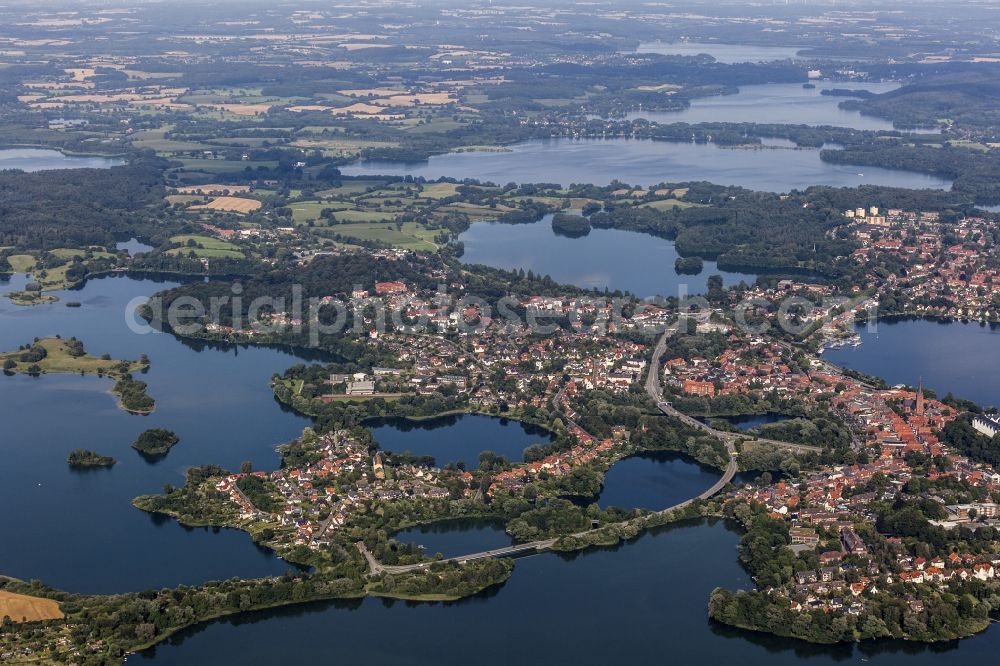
(38, 159)
(133, 246)
(651, 480)
(78, 530)
(777, 103)
(457, 537)
(724, 53)
(646, 594)
(748, 421)
(956, 357)
(604, 258)
(655, 481)
(641, 603)
(459, 437)
(645, 162)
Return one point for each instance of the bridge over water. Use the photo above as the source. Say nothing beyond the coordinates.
(655, 392)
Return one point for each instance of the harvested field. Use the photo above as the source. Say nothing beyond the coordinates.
(80, 73)
(232, 205)
(357, 108)
(22, 608)
(242, 109)
(429, 99)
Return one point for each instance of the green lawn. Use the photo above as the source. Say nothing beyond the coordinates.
(70, 252)
(303, 211)
(443, 125)
(412, 236)
(222, 166)
(206, 246)
(21, 263)
(353, 216)
(51, 279)
(439, 190)
(155, 140)
(475, 211)
(350, 188)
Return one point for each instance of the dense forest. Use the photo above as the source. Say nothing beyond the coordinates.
(741, 229)
(974, 172)
(78, 207)
(969, 99)
(960, 435)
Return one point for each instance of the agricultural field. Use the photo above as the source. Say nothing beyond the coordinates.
(183, 199)
(340, 147)
(231, 205)
(355, 215)
(304, 211)
(22, 608)
(350, 188)
(205, 246)
(410, 235)
(155, 140)
(213, 166)
(442, 125)
(666, 204)
(439, 190)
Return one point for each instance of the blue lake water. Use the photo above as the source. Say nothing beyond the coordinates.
(778, 103)
(651, 481)
(133, 246)
(641, 603)
(456, 537)
(39, 159)
(956, 357)
(750, 421)
(645, 162)
(458, 438)
(654, 481)
(605, 258)
(724, 53)
(78, 531)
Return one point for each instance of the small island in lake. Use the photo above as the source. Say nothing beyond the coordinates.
(31, 297)
(573, 226)
(68, 356)
(688, 265)
(59, 355)
(85, 458)
(155, 442)
(132, 396)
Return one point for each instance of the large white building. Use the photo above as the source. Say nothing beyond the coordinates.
(987, 425)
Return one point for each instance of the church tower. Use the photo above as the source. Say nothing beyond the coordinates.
(920, 398)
